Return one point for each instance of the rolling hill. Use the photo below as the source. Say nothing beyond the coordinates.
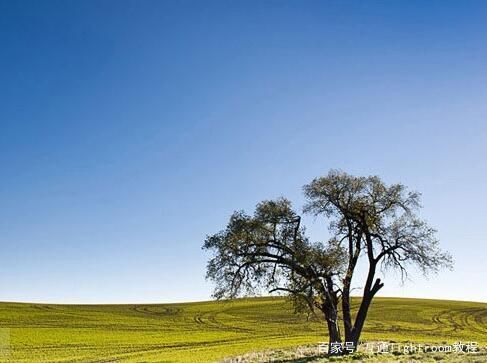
(209, 331)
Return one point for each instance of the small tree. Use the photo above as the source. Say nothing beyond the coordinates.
(269, 250)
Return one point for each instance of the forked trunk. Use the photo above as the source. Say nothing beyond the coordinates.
(354, 336)
(360, 321)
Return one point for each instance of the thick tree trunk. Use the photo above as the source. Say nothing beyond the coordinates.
(360, 320)
(352, 334)
(334, 332)
(347, 316)
(362, 312)
(334, 335)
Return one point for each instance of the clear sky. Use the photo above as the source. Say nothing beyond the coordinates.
(131, 129)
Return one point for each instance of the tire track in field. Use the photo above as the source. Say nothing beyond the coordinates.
(134, 352)
(167, 312)
(478, 316)
(209, 319)
(459, 320)
(50, 318)
(42, 307)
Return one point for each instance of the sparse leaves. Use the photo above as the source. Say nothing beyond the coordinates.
(268, 251)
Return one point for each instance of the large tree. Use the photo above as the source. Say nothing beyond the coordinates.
(269, 251)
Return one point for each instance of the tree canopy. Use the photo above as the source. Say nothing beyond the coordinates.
(269, 250)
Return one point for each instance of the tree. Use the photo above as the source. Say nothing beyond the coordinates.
(367, 219)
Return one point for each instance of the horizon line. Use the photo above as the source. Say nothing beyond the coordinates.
(222, 300)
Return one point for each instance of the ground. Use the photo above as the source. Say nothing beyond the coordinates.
(309, 354)
(211, 331)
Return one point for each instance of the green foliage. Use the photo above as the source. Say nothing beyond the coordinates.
(209, 331)
(381, 219)
(269, 251)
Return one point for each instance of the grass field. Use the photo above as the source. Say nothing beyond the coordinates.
(209, 331)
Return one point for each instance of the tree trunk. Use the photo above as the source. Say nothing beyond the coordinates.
(334, 335)
(347, 317)
(360, 320)
(362, 312)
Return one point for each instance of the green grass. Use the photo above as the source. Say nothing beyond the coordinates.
(209, 331)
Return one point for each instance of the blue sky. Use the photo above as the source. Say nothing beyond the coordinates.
(130, 130)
